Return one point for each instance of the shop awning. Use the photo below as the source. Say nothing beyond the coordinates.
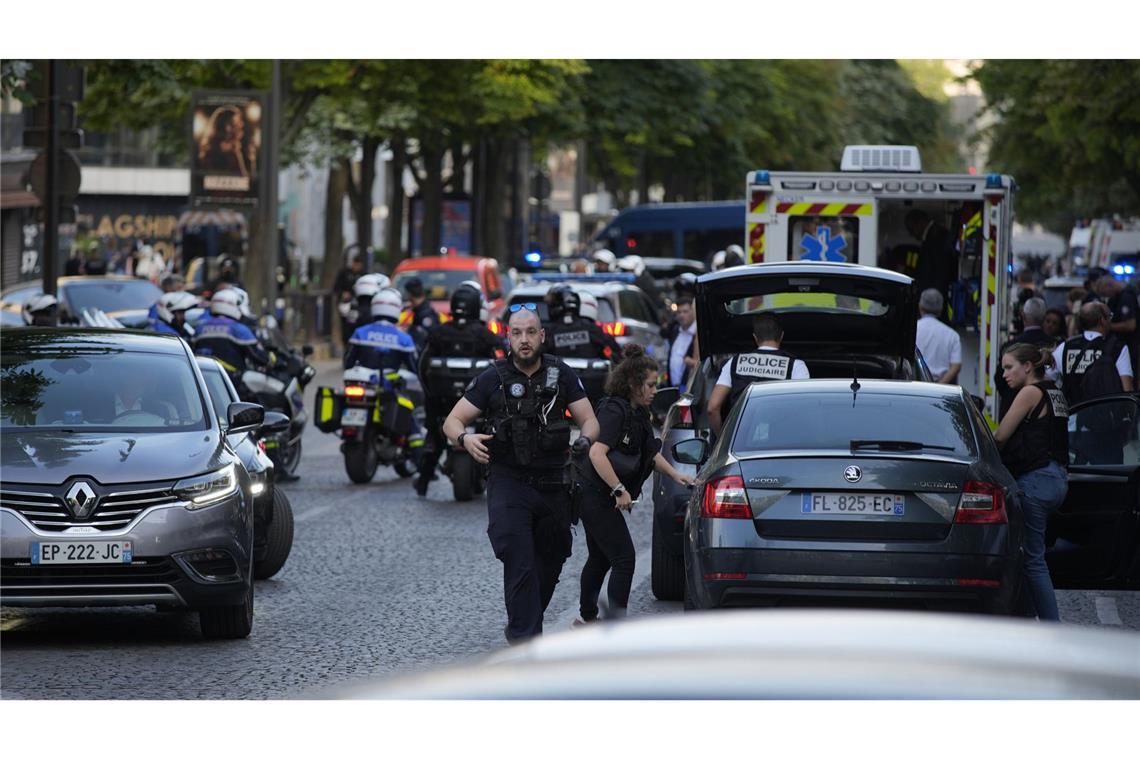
(194, 221)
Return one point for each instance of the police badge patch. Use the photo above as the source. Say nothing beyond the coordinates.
(518, 390)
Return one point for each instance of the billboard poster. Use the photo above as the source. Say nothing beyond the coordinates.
(454, 226)
(225, 147)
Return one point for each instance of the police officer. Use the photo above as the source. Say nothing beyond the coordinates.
(463, 336)
(41, 311)
(767, 362)
(224, 337)
(423, 316)
(364, 290)
(380, 344)
(567, 335)
(170, 313)
(524, 399)
(588, 316)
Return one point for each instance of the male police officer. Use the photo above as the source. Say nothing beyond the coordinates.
(170, 313)
(463, 336)
(380, 344)
(224, 337)
(766, 363)
(569, 335)
(525, 398)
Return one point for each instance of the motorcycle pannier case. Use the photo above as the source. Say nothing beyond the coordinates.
(330, 406)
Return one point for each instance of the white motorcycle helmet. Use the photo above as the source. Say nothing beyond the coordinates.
(472, 284)
(387, 304)
(168, 303)
(604, 256)
(588, 307)
(631, 263)
(369, 285)
(38, 306)
(718, 261)
(243, 301)
(226, 303)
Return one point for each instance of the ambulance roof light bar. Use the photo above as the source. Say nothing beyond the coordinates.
(881, 158)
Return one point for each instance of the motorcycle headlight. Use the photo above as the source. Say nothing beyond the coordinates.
(209, 489)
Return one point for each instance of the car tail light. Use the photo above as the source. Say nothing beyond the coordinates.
(616, 329)
(981, 503)
(680, 416)
(725, 576)
(725, 497)
(354, 391)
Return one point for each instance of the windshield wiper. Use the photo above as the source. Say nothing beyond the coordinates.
(888, 445)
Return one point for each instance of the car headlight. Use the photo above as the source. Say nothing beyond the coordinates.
(205, 490)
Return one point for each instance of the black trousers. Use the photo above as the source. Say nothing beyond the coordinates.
(529, 531)
(611, 550)
(434, 442)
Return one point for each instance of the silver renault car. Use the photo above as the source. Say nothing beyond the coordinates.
(118, 486)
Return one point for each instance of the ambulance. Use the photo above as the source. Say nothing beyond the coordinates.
(858, 214)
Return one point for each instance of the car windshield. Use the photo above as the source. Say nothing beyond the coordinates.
(438, 283)
(111, 295)
(830, 421)
(106, 391)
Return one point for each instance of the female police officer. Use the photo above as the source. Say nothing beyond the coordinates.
(620, 460)
(523, 400)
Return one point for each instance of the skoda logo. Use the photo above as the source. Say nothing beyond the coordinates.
(81, 499)
(852, 474)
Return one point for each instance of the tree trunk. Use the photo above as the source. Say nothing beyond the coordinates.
(458, 177)
(493, 210)
(362, 193)
(395, 227)
(336, 189)
(431, 191)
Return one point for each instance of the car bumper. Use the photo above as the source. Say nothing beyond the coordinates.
(167, 566)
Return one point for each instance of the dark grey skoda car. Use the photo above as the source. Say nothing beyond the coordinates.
(894, 491)
(118, 484)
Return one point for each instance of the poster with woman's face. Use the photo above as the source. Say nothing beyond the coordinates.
(225, 147)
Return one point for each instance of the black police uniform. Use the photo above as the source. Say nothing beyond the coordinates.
(458, 338)
(1039, 440)
(1098, 434)
(756, 367)
(527, 499)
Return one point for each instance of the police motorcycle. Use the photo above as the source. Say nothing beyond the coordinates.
(373, 414)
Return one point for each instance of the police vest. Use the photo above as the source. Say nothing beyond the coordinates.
(527, 417)
(1078, 355)
(572, 339)
(1038, 440)
(758, 367)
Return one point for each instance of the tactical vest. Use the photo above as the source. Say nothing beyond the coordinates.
(573, 340)
(1078, 355)
(758, 367)
(1038, 440)
(527, 417)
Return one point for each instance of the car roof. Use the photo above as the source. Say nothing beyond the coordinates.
(441, 262)
(909, 388)
(833, 269)
(60, 338)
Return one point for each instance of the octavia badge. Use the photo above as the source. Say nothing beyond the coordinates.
(852, 474)
(81, 500)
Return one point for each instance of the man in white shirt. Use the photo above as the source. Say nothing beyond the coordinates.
(940, 345)
(683, 356)
(1073, 357)
(768, 362)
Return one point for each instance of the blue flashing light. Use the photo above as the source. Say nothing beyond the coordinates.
(534, 258)
(762, 177)
(993, 181)
(1123, 269)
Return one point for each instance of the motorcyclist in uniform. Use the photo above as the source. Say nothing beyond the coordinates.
(567, 335)
(364, 290)
(588, 316)
(463, 336)
(41, 311)
(224, 337)
(170, 313)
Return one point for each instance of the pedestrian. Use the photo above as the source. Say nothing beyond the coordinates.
(1032, 317)
(1055, 325)
(622, 457)
(524, 400)
(768, 362)
(684, 355)
(1024, 289)
(941, 346)
(1034, 441)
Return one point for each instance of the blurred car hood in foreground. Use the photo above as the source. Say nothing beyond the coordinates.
(793, 654)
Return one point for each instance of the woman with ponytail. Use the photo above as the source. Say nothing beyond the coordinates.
(621, 459)
(1034, 442)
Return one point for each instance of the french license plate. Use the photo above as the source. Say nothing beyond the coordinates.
(354, 417)
(81, 552)
(850, 503)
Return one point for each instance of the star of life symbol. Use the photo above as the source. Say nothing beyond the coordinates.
(822, 247)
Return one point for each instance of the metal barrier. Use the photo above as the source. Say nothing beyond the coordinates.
(306, 316)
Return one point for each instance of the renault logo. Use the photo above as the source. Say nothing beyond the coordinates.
(81, 500)
(852, 474)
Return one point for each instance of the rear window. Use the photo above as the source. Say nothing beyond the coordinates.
(830, 421)
(438, 283)
(111, 295)
(108, 391)
(805, 300)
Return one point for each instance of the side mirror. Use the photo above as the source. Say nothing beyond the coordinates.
(243, 417)
(306, 350)
(664, 399)
(693, 451)
(275, 422)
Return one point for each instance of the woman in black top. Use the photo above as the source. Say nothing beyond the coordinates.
(622, 458)
(1034, 442)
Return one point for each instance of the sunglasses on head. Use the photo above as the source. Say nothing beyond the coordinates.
(516, 308)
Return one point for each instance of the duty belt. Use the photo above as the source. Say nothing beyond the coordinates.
(540, 478)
